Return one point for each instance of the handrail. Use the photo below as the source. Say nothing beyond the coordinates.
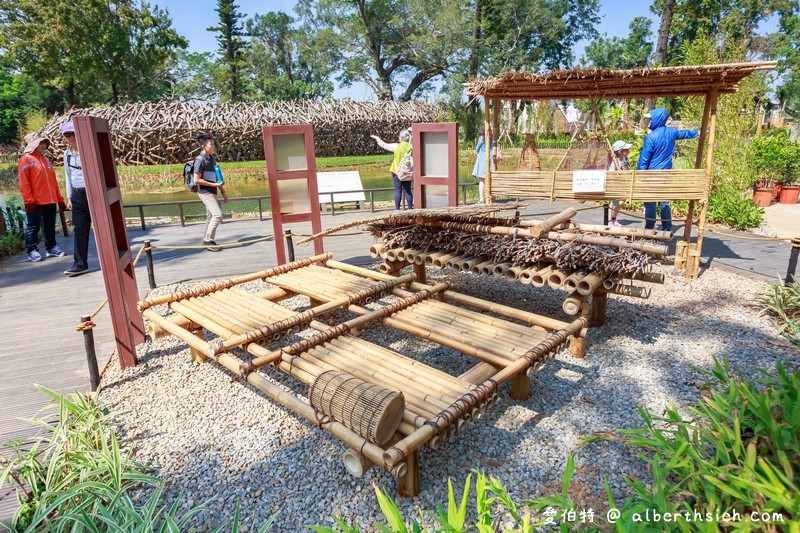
(260, 199)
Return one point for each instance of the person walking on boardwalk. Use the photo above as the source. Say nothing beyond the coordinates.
(657, 151)
(41, 196)
(621, 150)
(205, 176)
(77, 202)
(400, 178)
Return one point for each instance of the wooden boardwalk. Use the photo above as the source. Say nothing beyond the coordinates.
(40, 306)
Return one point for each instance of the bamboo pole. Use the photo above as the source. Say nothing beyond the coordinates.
(573, 303)
(713, 95)
(539, 278)
(487, 131)
(589, 283)
(500, 270)
(224, 284)
(698, 162)
(544, 227)
(633, 291)
(571, 282)
(556, 279)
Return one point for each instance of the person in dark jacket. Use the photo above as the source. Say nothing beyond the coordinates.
(656, 154)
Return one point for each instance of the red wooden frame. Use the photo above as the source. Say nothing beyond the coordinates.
(275, 175)
(418, 130)
(108, 219)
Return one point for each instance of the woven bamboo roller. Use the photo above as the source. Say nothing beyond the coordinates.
(369, 410)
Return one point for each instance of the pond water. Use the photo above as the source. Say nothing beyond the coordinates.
(371, 178)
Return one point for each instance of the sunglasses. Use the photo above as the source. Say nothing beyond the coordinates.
(69, 134)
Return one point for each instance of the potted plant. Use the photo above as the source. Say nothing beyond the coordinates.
(764, 192)
(777, 161)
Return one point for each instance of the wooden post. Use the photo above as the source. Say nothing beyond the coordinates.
(520, 387)
(151, 275)
(698, 160)
(197, 355)
(487, 128)
(793, 255)
(64, 227)
(290, 243)
(91, 355)
(409, 485)
(597, 316)
(712, 127)
(577, 343)
(419, 271)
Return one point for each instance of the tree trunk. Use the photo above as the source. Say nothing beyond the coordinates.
(471, 131)
(660, 58)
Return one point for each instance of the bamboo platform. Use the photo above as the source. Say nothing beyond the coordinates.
(354, 384)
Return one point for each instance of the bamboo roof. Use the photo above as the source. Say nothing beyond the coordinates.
(596, 82)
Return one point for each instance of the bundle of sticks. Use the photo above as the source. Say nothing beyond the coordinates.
(619, 251)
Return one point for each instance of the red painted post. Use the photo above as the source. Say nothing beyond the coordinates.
(292, 171)
(108, 220)
(435, 148)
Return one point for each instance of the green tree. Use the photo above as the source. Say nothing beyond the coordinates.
(231, 50)
(786, 44)
(633, 51)
(284, 63)
(194, 76)
(396, 48)
(533, 34)
(91, 50)
(734, 21)
(19, 95)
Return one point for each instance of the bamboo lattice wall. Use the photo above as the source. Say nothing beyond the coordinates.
(152, 133)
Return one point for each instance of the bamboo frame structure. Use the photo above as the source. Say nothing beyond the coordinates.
(436, 405)
(707, 81)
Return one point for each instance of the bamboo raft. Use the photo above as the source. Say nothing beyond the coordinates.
(382, 404)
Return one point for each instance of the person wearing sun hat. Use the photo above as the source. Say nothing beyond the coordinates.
(77, 202)
(41, 195)
(621, 150)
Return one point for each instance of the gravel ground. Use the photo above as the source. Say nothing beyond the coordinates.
(216, 439)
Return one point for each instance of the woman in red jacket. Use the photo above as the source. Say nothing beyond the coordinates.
(39, 189)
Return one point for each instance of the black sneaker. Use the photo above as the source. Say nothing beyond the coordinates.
(75, 271)
(211, 246)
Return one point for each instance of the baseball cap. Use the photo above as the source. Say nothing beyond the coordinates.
(620, 145)
(67, 127)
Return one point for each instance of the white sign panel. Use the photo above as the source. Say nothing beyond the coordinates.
(328, 182)
(589, 181)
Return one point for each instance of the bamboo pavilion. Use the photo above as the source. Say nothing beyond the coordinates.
(595, 84)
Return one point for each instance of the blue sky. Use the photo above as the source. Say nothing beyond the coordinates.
(192, 17)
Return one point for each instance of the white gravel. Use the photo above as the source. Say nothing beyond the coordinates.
(216, 439)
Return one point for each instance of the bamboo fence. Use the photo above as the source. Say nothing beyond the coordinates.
(153, 133)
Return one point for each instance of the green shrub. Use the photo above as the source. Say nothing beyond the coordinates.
(782, 303)
(734, 211)
(78, 478)
(776, 157)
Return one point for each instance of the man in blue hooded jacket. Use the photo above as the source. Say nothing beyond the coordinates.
(656, 154)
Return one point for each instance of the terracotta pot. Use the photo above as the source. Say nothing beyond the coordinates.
(762, 196)
(789, 194)
(776, 193)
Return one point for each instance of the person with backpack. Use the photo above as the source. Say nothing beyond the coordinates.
(207, 181)
(401, 168)
(77, 202)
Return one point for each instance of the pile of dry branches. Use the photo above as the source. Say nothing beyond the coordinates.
(163, 132)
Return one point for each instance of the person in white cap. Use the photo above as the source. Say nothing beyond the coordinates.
(621, 150)
(400, 178)
(41, 195)
(77, 202)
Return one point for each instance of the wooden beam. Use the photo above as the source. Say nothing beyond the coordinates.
(487, 127)
(698, 161)
(713, 95)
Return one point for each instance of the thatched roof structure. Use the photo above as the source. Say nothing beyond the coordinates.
(595, 82)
